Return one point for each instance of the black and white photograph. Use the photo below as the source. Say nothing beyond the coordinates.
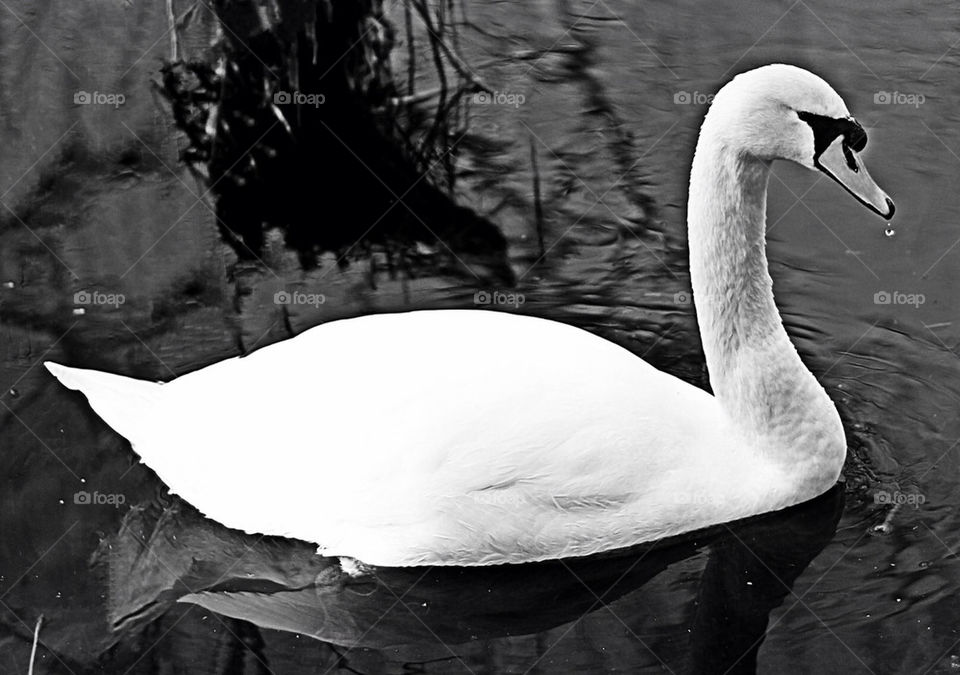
(475, 337)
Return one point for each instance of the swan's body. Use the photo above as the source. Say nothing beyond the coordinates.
(472, 438)
(446, 437)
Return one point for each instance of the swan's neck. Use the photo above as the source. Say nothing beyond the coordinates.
(755, 371)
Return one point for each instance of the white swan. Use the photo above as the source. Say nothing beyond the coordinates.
(474, 438)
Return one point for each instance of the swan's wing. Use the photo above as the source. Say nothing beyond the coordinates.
(393, 432)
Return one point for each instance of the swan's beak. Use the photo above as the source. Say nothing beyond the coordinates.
(844, 165)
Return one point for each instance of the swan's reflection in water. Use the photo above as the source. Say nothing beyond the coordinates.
(280, 584)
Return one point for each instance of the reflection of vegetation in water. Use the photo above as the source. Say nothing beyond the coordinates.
(300, 127)
(73, 235)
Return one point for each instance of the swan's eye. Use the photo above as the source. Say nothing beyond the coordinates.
(855, 136)
(827, 129)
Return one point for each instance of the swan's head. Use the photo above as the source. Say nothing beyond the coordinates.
(784, 112)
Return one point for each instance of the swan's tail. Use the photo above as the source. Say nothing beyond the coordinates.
(123, 402)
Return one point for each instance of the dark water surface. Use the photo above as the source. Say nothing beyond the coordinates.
(94, 199)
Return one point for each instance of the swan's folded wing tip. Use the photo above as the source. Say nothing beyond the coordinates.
(65, 374)
(55, 369)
